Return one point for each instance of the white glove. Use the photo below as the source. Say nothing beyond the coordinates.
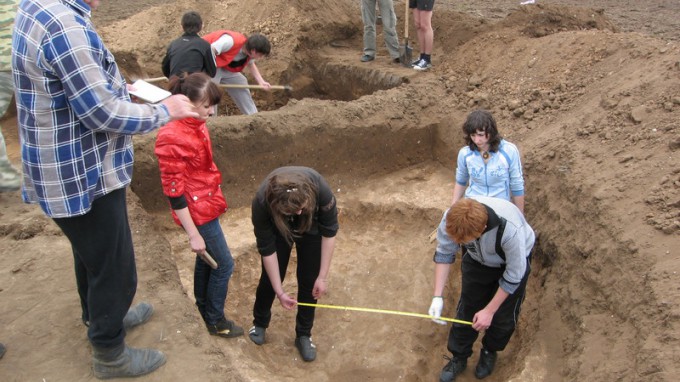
(436, 310)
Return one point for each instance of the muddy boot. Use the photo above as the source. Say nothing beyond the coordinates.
(452, 368)
(487, 361)
(122, 361)
(137, 315)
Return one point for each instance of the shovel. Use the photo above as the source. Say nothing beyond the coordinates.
(231, 86)
(405, 57)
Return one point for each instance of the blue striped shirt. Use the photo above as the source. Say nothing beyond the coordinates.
(74, 112)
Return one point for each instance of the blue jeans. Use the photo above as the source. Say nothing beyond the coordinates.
(211, 285)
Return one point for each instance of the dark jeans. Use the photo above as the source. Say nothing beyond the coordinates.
(104, 259)
(211, 285)
(308, 248)
(480, 284)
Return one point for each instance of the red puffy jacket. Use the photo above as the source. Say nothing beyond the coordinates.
(187, 168)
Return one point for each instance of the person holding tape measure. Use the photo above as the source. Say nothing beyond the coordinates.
(495, 266)
(293, 206)
(192, 182)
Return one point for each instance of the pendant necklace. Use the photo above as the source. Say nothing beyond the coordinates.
(485, 155)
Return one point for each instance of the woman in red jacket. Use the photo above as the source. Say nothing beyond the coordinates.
(191, 181)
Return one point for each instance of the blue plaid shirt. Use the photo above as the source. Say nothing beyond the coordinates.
(74, 112)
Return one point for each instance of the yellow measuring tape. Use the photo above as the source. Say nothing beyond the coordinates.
(371, 310)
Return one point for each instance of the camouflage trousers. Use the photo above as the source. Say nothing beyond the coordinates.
(6, 93)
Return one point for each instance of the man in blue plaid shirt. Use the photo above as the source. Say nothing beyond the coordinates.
(75, 124)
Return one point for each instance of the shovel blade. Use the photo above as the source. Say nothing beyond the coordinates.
(406, 55)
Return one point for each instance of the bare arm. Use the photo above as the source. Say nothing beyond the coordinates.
(482, 319)
(321, 283)
(441, 274)
(195, 239)
(458, 192)
(271, 266)
(519, 202)
(258, 77)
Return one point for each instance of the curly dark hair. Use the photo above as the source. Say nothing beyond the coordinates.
(481, 120)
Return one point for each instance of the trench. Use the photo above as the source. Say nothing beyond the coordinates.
(392, 185)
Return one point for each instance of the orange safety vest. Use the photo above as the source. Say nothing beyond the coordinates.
(225, 58)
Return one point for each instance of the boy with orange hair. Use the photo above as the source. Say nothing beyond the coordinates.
(497, 242)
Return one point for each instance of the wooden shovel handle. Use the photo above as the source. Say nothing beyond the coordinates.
(230, 86)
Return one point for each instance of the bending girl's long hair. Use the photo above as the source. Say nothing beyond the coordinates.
(286, 194)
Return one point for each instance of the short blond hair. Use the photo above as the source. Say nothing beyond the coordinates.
(466, 220)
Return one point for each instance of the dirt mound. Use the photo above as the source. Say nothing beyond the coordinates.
(593, 110)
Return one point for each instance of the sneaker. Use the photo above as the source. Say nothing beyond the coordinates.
(487, 361)
(10, 179)
(422, 65)
(306, 348)
(367, 58)
(225, 328)
(415, 62)
(256, 335)
(454, 367)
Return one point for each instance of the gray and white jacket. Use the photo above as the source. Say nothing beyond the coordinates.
(517, 241)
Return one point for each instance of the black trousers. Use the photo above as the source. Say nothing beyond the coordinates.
(104, 259)
(308, 249)
(479, 285)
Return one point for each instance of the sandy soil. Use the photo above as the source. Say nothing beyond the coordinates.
(588, 90)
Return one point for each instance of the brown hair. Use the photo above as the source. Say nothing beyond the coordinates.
(287, 193)
(196, 86)
(466, 220)
(481, 120)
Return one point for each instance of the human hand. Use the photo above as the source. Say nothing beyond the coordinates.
(197, 243)
(320, 287)
(287, 302)
(436, 309)
(482, 320)
(180, 107)
(266, 85)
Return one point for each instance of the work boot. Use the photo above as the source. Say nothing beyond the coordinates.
(137, 315)
(225, 328)
(306, 348)
(123, 362)
(256, 335)
(487, 361)
(3, 349)
(454, 367)
(10, 178)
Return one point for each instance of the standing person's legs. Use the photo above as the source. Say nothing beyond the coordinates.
(368, 17)
(389, 22)
(242, 97)
(105, 266)
(265, 295)
(10, 179)
(479, 284)
(211, 285)
(309, 263)
(107, 281)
